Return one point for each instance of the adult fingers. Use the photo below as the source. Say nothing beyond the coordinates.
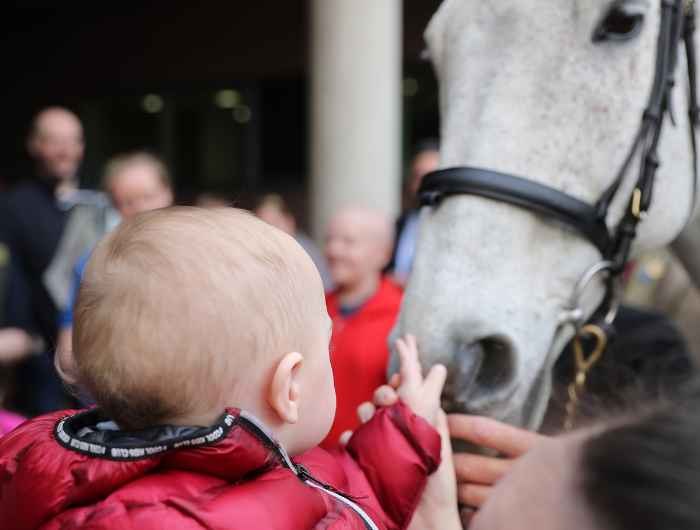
(473, 495)
(466, 514)
(492, 434)
(385, 396)
(480, 469)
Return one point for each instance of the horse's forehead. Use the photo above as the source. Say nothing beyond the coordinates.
(459, 12)
(556, 28)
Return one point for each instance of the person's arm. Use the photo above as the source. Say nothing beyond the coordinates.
(64, 361)
(17, 301)
(437, 508)
(402, 445)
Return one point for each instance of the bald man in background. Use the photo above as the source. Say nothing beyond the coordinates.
(363, 306)
(34, 219)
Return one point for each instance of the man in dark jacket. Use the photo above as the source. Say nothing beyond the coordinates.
(34, 216)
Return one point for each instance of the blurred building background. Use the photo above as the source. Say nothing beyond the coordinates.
(222, 90)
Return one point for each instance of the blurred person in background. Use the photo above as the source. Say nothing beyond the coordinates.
(46, 222)
(15, 343)
(273, 209)
(212, 199)
(15, 346)
(363, 307)
(136, 182)
(425, 160)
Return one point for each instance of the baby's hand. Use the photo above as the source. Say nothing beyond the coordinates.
(421, 394)
(438, 505)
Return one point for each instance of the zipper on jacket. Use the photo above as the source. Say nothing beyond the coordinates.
(256, 426)
(309, 480)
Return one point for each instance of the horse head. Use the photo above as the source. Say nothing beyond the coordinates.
(553, 92)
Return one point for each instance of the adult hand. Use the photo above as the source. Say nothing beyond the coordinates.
(477, 474)
(15, 345)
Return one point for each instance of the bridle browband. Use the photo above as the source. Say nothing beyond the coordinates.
(589, 220)
(517, 191)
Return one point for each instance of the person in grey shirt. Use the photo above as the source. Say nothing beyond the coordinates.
(425, 160)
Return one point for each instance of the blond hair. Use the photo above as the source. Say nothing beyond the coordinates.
(274, 200)
(181, 307)
(118, 163)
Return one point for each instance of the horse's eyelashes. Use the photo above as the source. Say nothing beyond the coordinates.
(622, 21)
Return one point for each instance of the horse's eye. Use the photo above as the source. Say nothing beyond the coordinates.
(622, 21)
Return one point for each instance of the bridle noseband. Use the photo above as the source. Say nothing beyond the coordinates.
(589, 220)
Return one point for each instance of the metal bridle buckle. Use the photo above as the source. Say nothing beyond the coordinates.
(573, 314)
(584, 363)
(637, 203)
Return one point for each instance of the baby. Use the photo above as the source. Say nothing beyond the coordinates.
(203, 337)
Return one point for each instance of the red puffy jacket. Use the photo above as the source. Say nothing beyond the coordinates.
(62, 471)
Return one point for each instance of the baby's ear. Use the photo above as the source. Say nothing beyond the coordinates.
(283, 392)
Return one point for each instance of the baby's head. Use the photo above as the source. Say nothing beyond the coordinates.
(185, 311)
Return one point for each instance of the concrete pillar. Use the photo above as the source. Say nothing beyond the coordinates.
(356, 54)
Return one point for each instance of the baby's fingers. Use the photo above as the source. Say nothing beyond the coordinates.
(434, 382)
(410, 370)
(385, 396)
(365, 411)
(345, 437)
(395, 381)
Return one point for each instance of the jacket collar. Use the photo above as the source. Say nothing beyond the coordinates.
(234, 446)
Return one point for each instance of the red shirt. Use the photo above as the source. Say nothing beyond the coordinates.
(360, 353)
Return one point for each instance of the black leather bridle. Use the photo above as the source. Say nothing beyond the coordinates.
(677, 24)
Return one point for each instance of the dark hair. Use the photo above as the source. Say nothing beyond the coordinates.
(644, 472)
(426, 145)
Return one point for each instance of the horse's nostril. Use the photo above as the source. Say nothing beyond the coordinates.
(481, 369)
(498, 367)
